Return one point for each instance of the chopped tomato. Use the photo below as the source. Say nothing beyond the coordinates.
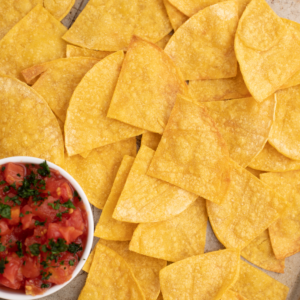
(70, 234)
(26, 220)
(12, 271)
(65, 192)
(35, 287)
(15, 286)
(4, 229)
(15, 215)
(33, 240)
(45, 211)
(14, 173)
(53, 231)
(59, 188)
(31, 266)
(75, 220)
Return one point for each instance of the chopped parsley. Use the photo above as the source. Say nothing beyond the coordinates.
(59, 215)
(76, 195)
(21, 215)
(3, 168)
(44, 264)
(14, 199)
(3, 262)
(5, 211)
(2, 182)
(71, 262)
(62, 262)
(38, 223)
(6, 189)
(20, 249)
(68, 204)
(35, 249)
(44, 170)
(44, 248)
(58, 247)
(45, 285)
(55, 205)
(46, 276)
(2, 248)
(74, 248)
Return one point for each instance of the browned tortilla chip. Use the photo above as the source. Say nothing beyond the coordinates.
(151, 140)
(74, 51)
(34, 40)
(97, 172)
(230, 295)
(142, 98)
(164, 41)
(177, 18)
(203, 47)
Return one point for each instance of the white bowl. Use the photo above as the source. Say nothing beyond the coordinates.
(7, 293)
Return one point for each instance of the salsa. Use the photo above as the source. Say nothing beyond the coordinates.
(43, 227)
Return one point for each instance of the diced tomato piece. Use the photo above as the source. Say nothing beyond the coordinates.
(70, 234)
(14, 173)
(76, 220)
(53, 231)
(27, 221)
(15, 215)
(12, 271)
(65, 192)
(15, 286)
(31, 266)
(33, 287)
(4, 229)
(33, 240)
(40, 231)
(58, 188)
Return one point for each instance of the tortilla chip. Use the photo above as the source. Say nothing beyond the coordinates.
(267, 50)
(34, 40)
(87, 126)
(160, 297)
(260, 253)
(203, 47)
(89, 261)
(110, 277)
(74, 51)
(249, 208)
(97, 172)
(192, 154)
(285, 233)
(164, 41)
(206, 276)
(255, 284)
(151, 140)
(254, 172)
(107, 227)
(230, 295)
(175, 239)
(177, 18)
(285, 133)
(245, 125)
(28, 126)
(219, 89)
(270, 160)
(142, 98)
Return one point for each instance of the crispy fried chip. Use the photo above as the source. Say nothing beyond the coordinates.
(97, 172)
(160, 297)
(28, 126)
(175, 239)
(87, 126)
(270, 160)
(34, 40)
(267, 50)
(107, 227)
(285, 233)
(146, 199)
(147, 87)
(255, 284)
(151, 140)
(203, 47)
(192, 154)
(245, 125)
(110, 277)
(260, 253)
(254, 172)
(249, 208)
(206, 276)
(58, 80)
(219, 89)
(74, 51)
(89, 261)
(285, 133)
(230, 295)
(177, 18)
(164, 41)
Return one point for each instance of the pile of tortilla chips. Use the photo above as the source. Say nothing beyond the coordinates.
(223, 146)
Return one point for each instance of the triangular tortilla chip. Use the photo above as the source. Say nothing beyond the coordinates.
(206, 276)
(260, 253)
(230, 295)
(285, 233)
(58, 80)
(28, 126)
(255, 284)
(151, 140)
(254, 172)
(146, 199)
(175, 239)
(110, 277)
(177, 18)
(245, 125)
(219, 89)
(74, 51)
(267, 50)
(107, 227)
(34, 40)
(89, 261)
(142, 98)
(285, 133)
(270, 160)
(87, 126)
(163, 42)
(97, 172)
(192, 153)
(160, 297)
(249, 208)
(203, 47)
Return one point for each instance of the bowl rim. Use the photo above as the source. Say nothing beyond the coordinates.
(11, 294)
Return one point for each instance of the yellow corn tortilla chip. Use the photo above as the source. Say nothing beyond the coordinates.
(245, 125)
(230, 295)
(177, 18)
(219, 89)
(28, 126)
(160, 297)
(175, 239)
(206, 276)
(107, 227)
(260, 253)
(87, 126)
(147, 87)
(110, 277)
(34, 40)
(146, 199)
(164, 41)
(254, 172)
(249, 208)
(268, 51)
(285, 233)
(97, 172)
(151, 140)
(74, 51)
(203, 47)
(192, 153)
(58, 80)
(89, 261)
(270, 160)
(255, 284)
(12, 11)
(285, 133)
